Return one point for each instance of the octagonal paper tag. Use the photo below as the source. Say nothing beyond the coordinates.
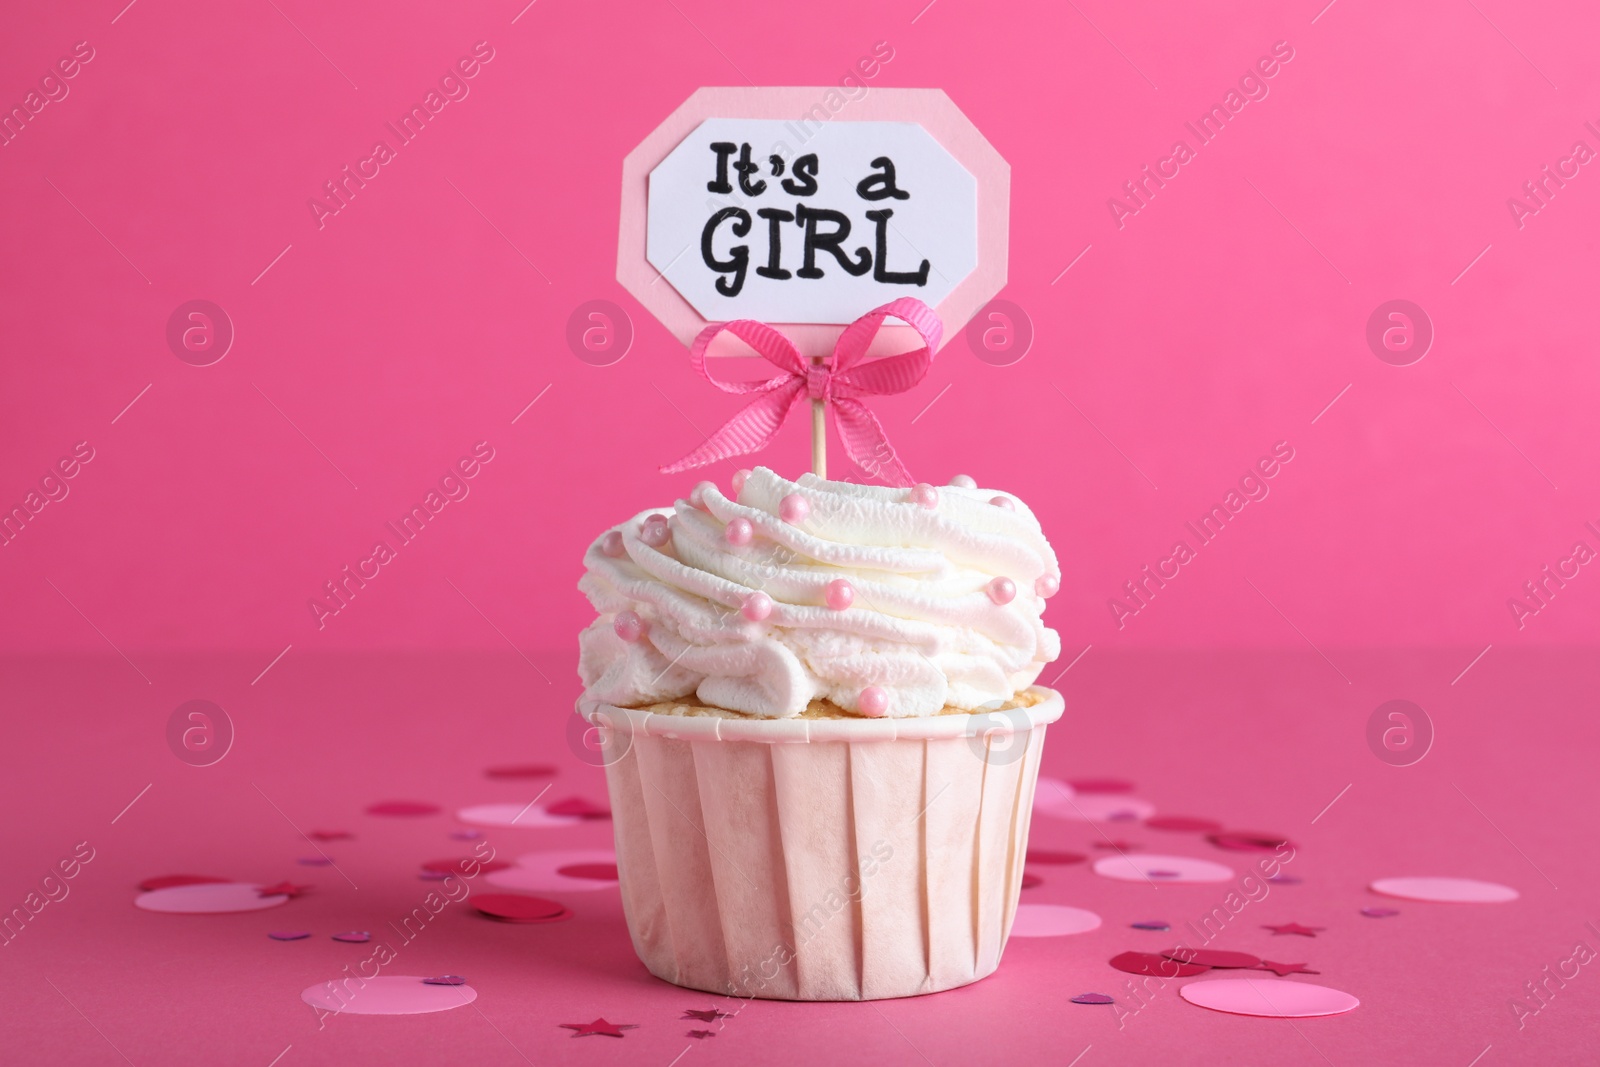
(761, 204)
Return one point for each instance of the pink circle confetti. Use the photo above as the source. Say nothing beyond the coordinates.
(541, 872)
(1056, 798)
(208, 898)
(1052, 920)
(1138, 867)
(405, 808)
(387, 994)
(1271, 998)
(1446, 890)
(794, 508)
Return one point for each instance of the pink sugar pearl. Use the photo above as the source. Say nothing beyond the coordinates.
(964, 481)
(756, 606)
(926, 495)
(793, 508)
(1047, 585)
(873, 702)
(1004, 502)
(1002, 590)
(840, 594)
(629, 626)
(611, 544)
(655, 532)
(739, 477)
(739, 532)
(697, 495)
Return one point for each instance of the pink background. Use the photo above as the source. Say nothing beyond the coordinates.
(376, 351)
(407, 328)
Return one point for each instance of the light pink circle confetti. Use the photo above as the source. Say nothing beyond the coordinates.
(388, 994)
(1139, 867)
(1445, 890)
(522, 816)
(541, 872)
(1056, 798)
(210, 898)
(1052, 920)
(1268, 997)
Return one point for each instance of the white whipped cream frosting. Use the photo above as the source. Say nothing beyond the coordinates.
(922, 627)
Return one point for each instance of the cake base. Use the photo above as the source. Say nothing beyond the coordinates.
(830, 859)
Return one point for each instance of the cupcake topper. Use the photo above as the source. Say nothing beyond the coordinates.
(823, 212)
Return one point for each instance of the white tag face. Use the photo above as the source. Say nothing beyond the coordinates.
(839, 236)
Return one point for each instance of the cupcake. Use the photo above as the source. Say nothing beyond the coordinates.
(821, 730)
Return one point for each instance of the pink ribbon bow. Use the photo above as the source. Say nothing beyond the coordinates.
(838, 380)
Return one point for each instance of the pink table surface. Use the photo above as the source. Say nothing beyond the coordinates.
(1260, 740)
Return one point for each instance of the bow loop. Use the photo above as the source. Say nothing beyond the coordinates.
(838, 380)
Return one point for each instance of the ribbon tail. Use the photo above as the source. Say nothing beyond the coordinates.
(865, 442)
(750, 430)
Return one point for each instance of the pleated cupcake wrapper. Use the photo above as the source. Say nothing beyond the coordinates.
(821, 859)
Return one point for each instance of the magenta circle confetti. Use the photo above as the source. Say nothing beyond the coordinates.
(1044, 855)
(446, 979)
(403, 808)
(289, 935)
(1052, 920)
(598, 872)
(1445, 890)
(1212, 957)
(1029, 880)
(1138, 867)
(354, 937)
(515, 908)
(208, 898)
(397, 994)
(521, 770)
(1268, 997)
(1183, 824)
(540, 872)
(1379, 913)
(1248, 841)
(1100, 785)
(167, 881)
(1092, 998)
(1153, 924)
(1155, 965)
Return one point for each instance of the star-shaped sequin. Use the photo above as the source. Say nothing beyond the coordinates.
(599, 1026)
(1293, 928)
(1281, 969)
(705, 1015)
(702, 1034)
(282, 889)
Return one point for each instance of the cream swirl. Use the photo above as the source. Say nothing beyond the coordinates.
(923, 625)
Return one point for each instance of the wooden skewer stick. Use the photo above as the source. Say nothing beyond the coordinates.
(819, 436)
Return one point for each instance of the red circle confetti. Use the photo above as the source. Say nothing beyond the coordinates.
(1211, 957)
(1247, 841)
(167, 881)
(1185, 824)
(580, 807)
(1092, 998)
(1031, 880)
(289, 935)
(599, 872)
(463, 865)
(403, 807)
(521, 770)
(354, 937)
(1155, 966)
(1100, 785)
(512, 907)
(1040, 855)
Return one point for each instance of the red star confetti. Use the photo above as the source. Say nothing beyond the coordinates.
(1183, 824)
(702, 1034)
(282, 889)
(705, 1015)
(167, 881)
(1281, 969)
(599, 1026)
(1210, 957)
(1293, 928)
(580, 807)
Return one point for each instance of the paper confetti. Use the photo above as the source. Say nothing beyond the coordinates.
(1247, 841)
(1445, 890)
(1100, 785)
(705, 1015)
(510, 907)
(1042, 855)
(1210, 957)
(289, 935)
(1293, 928)
(446, 979)
(1092, 998)
(1182, 824)
(1379, 913)
(167, 881)
(1281, 969)
(403, 808)
(1157, 966)
(1268, 997)
(521, 770)
(354, 937)
(1152, 924)
(580, 807)
(599, 1026)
